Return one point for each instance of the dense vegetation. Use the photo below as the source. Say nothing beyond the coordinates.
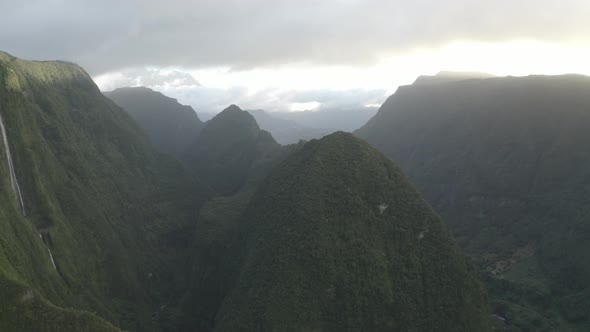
(172, 127)
(110, 208)
(506, 162)
(336, 239)
(141, 244)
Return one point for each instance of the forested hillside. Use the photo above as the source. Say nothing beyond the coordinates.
(110, 208)
(505, 161)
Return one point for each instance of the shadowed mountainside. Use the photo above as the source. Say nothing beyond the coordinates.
(171, 127)
(336, 239)
(506, 163)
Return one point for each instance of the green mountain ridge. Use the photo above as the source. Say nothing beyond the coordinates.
(505, 162)
(235, 136)
(106, 203)
(172, 127)
(229, 150)
(321, 249)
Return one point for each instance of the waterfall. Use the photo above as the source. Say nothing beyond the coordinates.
(14, 183)
(49, 251)
(13, 179)
(51, 257)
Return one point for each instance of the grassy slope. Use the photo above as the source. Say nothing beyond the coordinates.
(110, 207)
(317, 254)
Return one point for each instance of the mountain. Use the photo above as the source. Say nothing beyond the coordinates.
(329, 119)
(94, 221)
(216, 229)
(286, 131)
(505, 162)
(171, 127)
(336, 239)
(449, 76)
(230, 149)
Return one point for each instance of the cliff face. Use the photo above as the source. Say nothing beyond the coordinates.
(97, 195)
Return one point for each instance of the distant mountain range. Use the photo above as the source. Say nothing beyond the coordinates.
(338, 119)
(506, 163)
(288, 131)
(290, 127)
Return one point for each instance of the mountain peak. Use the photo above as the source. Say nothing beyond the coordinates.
(235, 117)
(232, 108)
(229, 144)
(336, 223)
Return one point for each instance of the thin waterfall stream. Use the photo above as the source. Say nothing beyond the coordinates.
(15, 185)
(13, 179)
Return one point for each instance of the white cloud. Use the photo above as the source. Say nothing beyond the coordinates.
(109, 35)
(295, 87)
(150, 77)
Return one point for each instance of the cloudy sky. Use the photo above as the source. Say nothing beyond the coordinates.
(292, 55)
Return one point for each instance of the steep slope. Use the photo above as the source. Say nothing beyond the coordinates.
(215, 230)
(112, 211)
(336, 239)
(286, 131)
(250, 154)
(505, 161)
(172, 127)
(230, 149)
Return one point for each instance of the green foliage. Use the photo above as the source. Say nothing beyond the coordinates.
(336, 239)
(23, 309)
(309, 248)
(505, 162)
(113, 211)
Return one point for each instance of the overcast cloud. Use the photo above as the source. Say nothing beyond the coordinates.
(158, 43)
(109, 35)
